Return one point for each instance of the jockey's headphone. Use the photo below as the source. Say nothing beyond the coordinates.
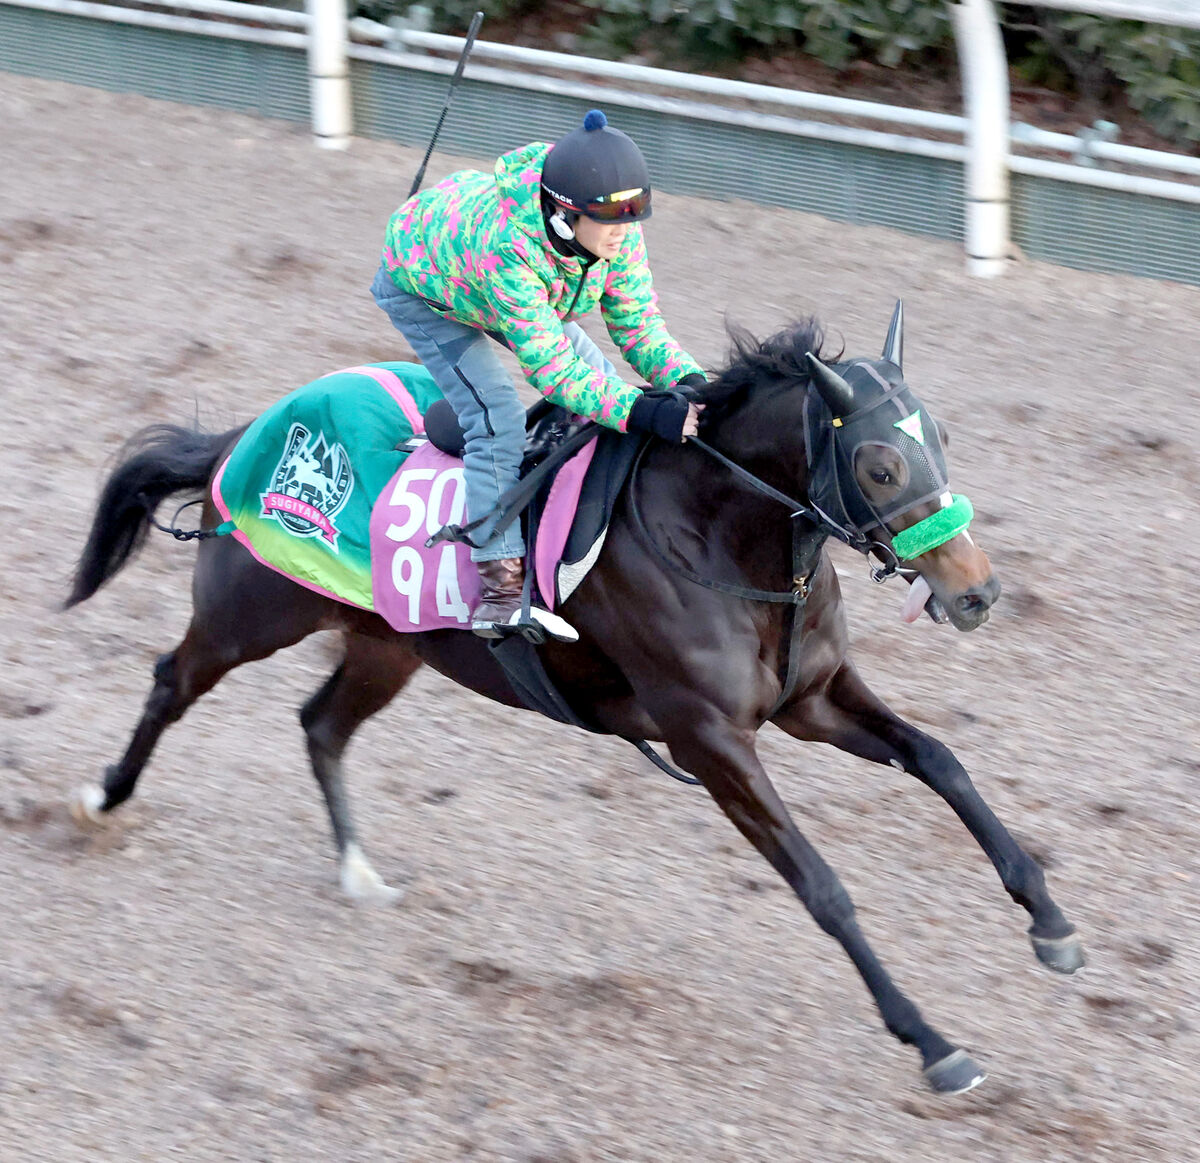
(559, 224)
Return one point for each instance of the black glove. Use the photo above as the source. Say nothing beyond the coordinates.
(663, 413)
(691, 385)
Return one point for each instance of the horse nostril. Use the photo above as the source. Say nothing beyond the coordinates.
(970, 603)
(978, 599)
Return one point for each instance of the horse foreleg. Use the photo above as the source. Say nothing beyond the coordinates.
(722, 756)
(370, 676)
(851, 717)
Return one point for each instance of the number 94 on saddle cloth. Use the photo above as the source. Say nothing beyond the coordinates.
(335, 487)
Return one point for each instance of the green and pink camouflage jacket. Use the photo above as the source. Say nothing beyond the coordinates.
(476, 244)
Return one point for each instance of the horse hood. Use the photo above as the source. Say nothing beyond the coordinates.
(885, 411)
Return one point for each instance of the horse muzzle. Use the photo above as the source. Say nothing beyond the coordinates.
(965, 609)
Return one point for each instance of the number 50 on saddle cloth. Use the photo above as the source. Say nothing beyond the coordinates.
(335, 487)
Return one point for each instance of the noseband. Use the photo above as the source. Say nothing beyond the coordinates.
(919, 538)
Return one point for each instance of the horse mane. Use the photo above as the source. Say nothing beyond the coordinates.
(758, 364)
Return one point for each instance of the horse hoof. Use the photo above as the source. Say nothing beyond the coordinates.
(361, 883)
(954, 1074)
(88, 806)
(1062, 954)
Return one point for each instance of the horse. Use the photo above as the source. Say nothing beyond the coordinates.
(746, 623)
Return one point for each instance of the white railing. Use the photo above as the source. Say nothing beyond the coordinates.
(986, 136)
(989, 157)
(329, 74)
(274, 35)
(407, 38)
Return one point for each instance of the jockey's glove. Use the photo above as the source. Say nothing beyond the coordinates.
(691, 385)
(662, 413)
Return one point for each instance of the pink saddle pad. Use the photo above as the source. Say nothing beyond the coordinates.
(416, 587)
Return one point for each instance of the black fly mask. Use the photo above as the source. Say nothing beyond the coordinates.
(862, 402)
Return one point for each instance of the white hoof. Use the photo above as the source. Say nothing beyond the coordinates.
(360, 882)
(87, 804)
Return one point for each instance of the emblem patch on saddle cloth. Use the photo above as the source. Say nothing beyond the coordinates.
(310, 485)
(300, 484)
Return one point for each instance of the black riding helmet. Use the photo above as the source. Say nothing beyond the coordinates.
(598, 172)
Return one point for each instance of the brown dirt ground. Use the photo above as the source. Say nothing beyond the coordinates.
(589, 964)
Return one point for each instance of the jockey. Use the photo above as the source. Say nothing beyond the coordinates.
(518, 255)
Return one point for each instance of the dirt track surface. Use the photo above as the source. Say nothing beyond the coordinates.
(589, 963)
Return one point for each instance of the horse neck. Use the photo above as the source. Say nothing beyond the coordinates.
(765, 436)
(722, 517)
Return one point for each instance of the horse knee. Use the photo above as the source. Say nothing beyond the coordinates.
(935, 765)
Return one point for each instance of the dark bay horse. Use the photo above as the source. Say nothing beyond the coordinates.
(662, 654)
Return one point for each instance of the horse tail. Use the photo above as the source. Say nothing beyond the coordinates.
(154, 463)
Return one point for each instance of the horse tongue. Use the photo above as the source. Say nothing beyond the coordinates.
(918, 594)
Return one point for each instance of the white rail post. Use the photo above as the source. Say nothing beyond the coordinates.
(984, 68)
(329, 74)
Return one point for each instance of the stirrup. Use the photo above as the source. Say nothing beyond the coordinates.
(542, 624)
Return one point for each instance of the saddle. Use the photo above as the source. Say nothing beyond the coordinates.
(566, 547)
(320, 489)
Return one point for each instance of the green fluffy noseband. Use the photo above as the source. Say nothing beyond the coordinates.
(935, 530)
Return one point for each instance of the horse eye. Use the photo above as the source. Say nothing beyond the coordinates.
(881, 476)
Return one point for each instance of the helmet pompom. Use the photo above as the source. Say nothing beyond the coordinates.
(594, 119)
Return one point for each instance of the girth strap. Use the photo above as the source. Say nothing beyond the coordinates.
(517, 655)
(522, 666)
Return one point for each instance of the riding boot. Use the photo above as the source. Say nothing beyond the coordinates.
(499, 609)
(502, 579)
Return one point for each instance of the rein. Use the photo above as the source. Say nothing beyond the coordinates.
(797, 507)
(794, 596)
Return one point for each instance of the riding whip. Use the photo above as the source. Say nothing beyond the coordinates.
(472, 32)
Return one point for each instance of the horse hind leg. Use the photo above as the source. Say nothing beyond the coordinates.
(372, 673)
(180, 678)
(242, 611)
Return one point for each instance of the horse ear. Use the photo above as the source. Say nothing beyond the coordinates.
(834, 390)
(893, 346)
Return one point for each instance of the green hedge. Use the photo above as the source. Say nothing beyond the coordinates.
(1155, 68)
